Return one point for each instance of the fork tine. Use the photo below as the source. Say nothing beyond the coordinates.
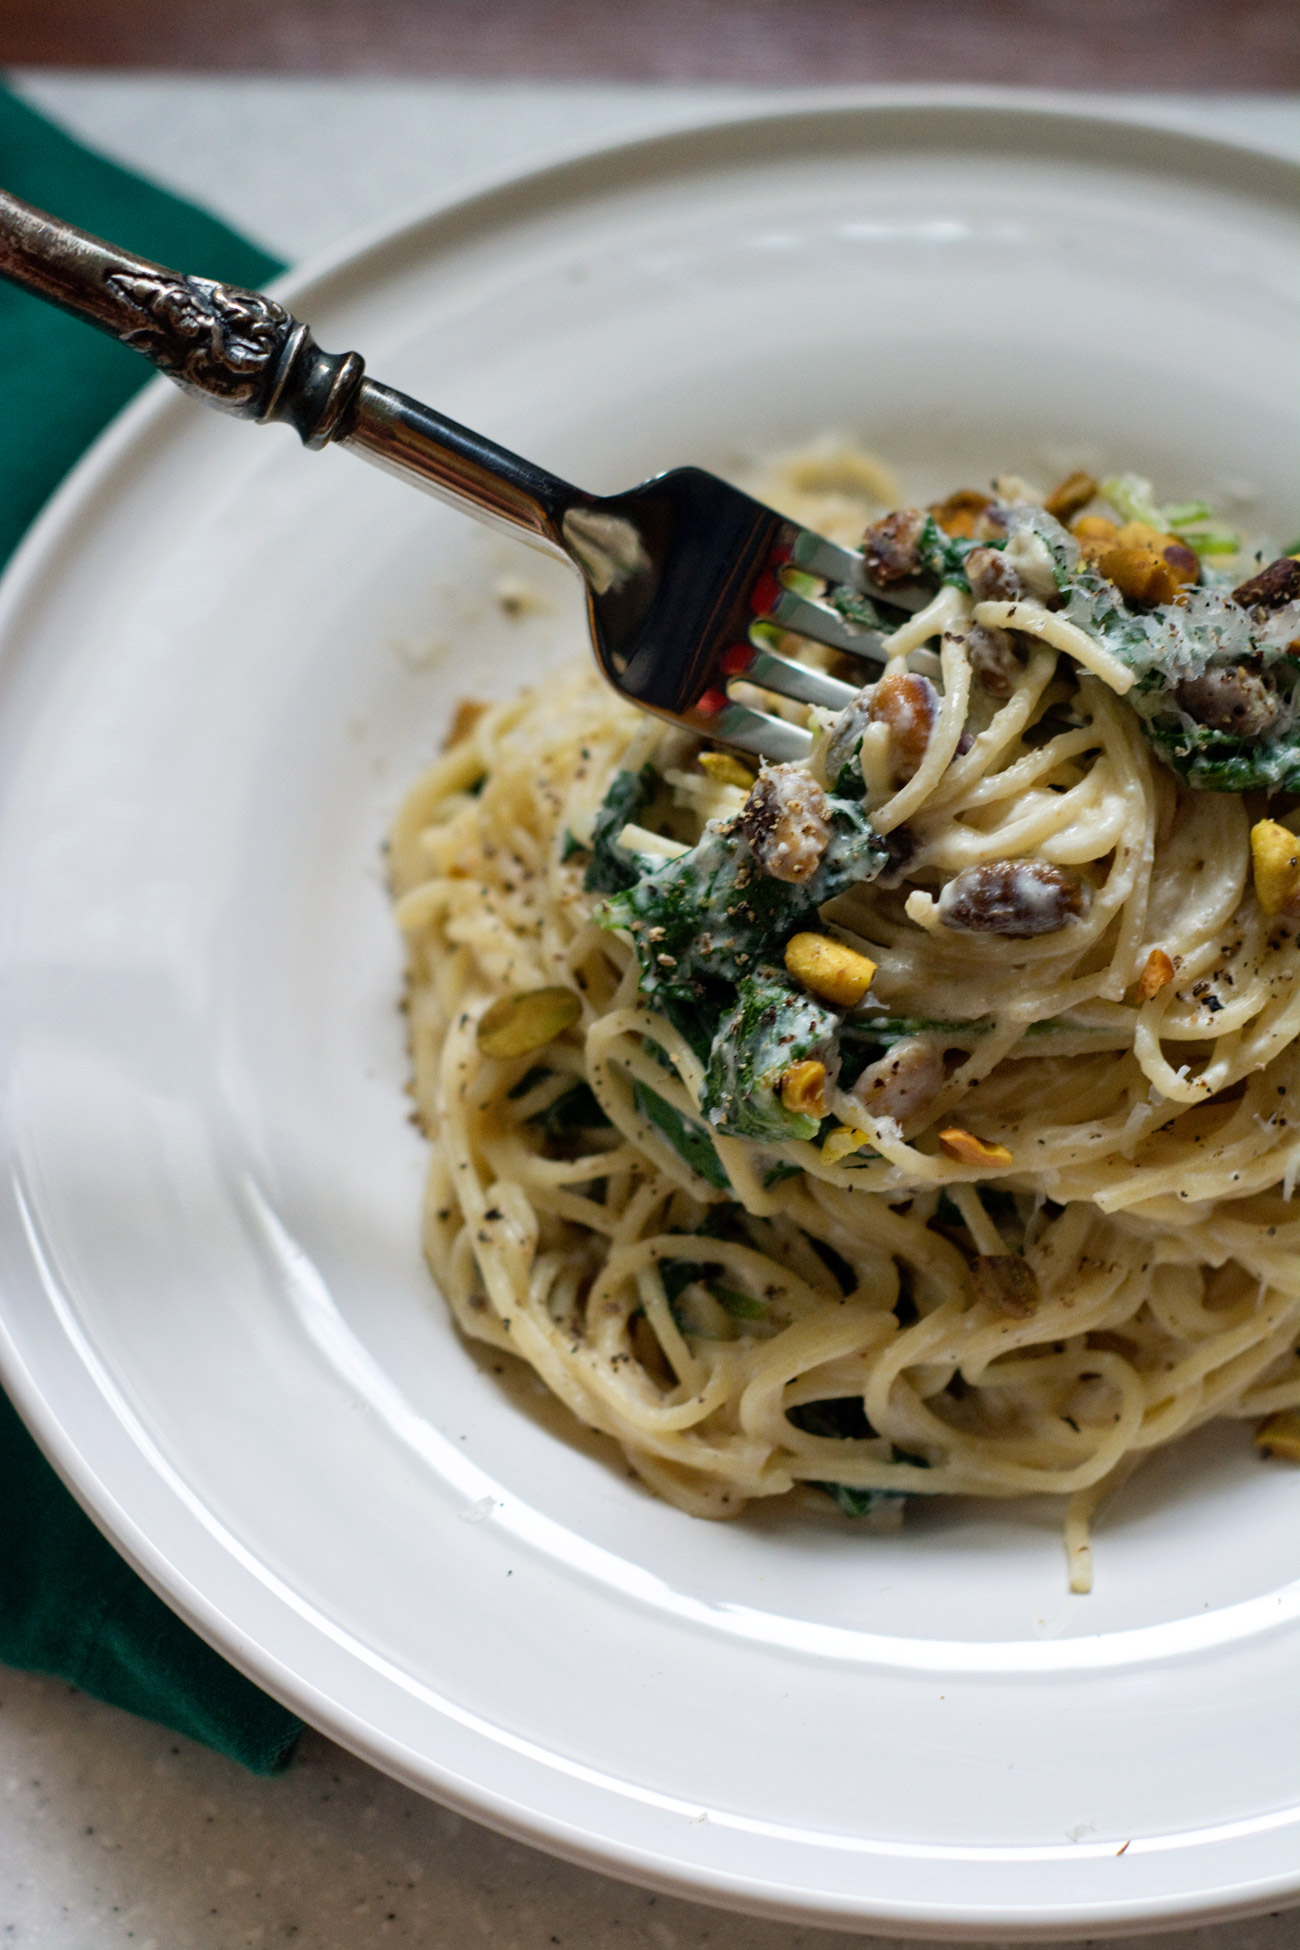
(822, 558)
(799, 681)
(807, 617)
(761, 733)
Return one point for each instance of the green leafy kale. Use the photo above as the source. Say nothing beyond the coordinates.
(572, 1113)
(710, 929)
(773, 1026)
(943, 556)
(862, 610)
(1213, 761)
(611, 869)
(861, 1503)
(712, 915)
(689, 1140)
(841, 1419)
(678, 1274)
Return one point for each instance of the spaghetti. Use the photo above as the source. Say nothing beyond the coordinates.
(1013, 1218)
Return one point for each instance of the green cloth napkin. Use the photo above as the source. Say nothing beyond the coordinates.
(69, 1605)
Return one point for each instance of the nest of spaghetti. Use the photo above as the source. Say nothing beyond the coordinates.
(923, 1119)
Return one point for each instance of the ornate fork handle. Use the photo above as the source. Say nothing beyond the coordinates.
(242, 352)
(235, 349)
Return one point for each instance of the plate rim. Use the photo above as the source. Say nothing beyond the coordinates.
(159, 413)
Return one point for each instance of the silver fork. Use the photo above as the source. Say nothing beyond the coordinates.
(687, 579)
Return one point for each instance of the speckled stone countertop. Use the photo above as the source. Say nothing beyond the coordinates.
(114, 1833)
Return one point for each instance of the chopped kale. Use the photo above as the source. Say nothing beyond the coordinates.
(689, 1140)
(861, 1503)
(742, 1306)
(860, 609)
(943, 556)
(1213, 760)
(572, 845)
(536, 1075)
(677, 1275)
(712, 915)
(706, 926)
(695, 1018)
(574, 1112)
(841, 1418)
(773, 1026)
(611, 869)
(845, 1277)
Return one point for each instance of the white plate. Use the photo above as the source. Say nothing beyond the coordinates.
(222, 662)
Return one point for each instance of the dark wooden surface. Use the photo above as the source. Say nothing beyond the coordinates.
(1147, 44)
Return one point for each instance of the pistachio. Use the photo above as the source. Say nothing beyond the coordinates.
(786, 821)
(803, 1089)
(909, 706)
(1280, 1435)
(889, 546)
(842, 1142)
(1070, 496)
(518, 1024)
(1273, 588)
(1018, 898)
(967, 1149)
(464, 718)
(1230, 698)
(960, 513)
(828, 969)
(1275, 854)
(723, 769)
(1094, 534)
(995, 658)
(1146, 566)
(991, 577)
(1006, 1283)
(1157, 974)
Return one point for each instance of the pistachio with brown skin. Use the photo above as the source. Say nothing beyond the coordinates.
(889, 546)
(991, 577)
(1017, 898)
(787, 822)
(909, 705)
(1273, 588)
(995, 658)
(1228, 697)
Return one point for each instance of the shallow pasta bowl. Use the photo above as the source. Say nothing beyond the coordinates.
(220, 665)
